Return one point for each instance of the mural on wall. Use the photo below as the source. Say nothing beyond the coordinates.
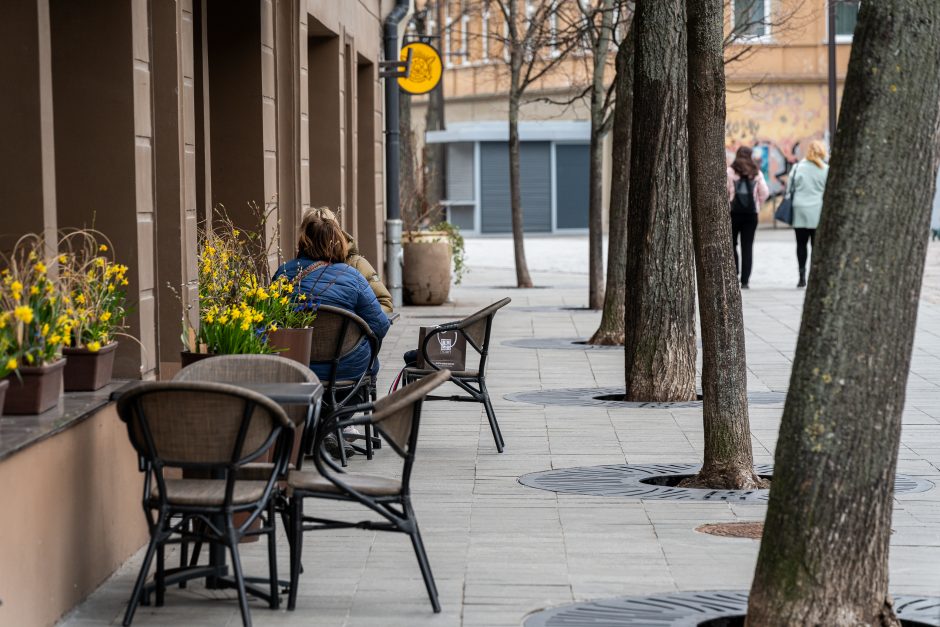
(775, 120)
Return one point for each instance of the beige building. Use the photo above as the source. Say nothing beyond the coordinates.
(777, 98)
(138, 117)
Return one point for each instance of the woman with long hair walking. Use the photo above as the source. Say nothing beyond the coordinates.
(807, 183)
(747, 191)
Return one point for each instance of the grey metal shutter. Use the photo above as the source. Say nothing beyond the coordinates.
(460, 172)
(572, 181)
(536, 176)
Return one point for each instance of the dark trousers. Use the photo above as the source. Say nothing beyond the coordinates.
(802, 237)
(744, 225)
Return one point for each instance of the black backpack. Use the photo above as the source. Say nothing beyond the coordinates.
(743, 201)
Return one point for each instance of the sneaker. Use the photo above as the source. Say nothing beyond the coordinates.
(745, 286)
(332, 447)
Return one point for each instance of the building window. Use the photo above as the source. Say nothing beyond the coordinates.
(846, 16)
(750, 19)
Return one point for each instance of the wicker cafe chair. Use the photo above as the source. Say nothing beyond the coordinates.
(238, 369)
(396, 417)
(215, 429)
(476, 330)
(336, 333)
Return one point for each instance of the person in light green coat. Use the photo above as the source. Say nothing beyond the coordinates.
(807, 183)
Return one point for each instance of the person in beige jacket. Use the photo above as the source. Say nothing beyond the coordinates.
(360, 263)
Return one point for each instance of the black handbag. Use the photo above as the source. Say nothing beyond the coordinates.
(784, 212)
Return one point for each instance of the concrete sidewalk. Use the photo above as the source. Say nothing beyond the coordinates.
(500, 550)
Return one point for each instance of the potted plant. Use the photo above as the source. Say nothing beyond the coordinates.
(8, 360)
(95, 286)
(428, 257)
(289, 320)
(232, 291)
(40, 324)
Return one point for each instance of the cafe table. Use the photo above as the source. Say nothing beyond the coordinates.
(216, 573)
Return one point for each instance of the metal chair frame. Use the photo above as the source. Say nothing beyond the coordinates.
(361, 390)
(159, 512)
(396, 510)
(474, 386)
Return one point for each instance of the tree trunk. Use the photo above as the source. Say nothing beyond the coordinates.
(596, 167)
(515, 196)
(434, 154)
(408, 187)
(610, 331)
(729, 460)
(660, 306)
(824, 555)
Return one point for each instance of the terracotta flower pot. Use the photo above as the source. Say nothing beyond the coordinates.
(426, 271)
(292, 343)
(86, 371)
(187, 357)
(35, 390)
(4, 384)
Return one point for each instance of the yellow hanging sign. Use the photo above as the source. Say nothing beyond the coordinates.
(426, 68)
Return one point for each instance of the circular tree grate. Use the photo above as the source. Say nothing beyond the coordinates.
(657, 482)
(555, 309)
(560, 343)
(691, 609)
(606, 397)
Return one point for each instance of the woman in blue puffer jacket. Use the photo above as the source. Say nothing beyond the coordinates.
(323, 245)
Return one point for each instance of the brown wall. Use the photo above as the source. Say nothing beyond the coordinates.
(71, 515)
(27, 168)
(104, 140)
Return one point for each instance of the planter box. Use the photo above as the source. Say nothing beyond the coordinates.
(4, 384)
(86, 371)
(292, 343)
(187, 357)
(426, 270)
(35, 390)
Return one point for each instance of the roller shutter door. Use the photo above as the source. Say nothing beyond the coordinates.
(536, 177)
(572, 180)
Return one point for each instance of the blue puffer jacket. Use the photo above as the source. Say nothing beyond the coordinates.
(341, 286)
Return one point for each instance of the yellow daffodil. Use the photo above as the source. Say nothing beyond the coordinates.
(63, 259)
(245, 325)
(11, 364)
(103, 248)
(40, 267)
(124, 282)
(104, 317)
(45, 329)
(55, 339)
(33, 290)
(80, 299)
(93, 346)
(23, 314)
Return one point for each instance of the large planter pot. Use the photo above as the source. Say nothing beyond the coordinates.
(35, 390)
(187, 357)
(86, 371)
(426, 271)
(4, 384)
(292, 343)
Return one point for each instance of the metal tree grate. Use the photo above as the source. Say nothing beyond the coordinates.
(689, 609)
(638, 481)
(561, 343)
(595, 397)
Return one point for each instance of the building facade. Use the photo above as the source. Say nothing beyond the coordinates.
(777, 98)
(141, 117)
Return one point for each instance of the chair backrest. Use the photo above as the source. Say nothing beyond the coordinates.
(212, 427)
(237, 369)
(476, 329)
(336, 333)
(397, 417)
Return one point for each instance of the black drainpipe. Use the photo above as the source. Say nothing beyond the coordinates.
(393, 156)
